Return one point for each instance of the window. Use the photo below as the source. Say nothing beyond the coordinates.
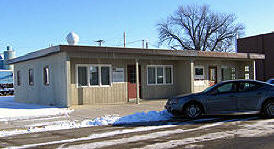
(199, 73)
(159, 74)
(94, 75)
(246, 72)
(18, 78)
(247, 76)
(226, 88)
(46, 75)
(223, 74)
(233, 73)
(105, 75)
(31, 77)
(247, 68)
(168, 75)
(248, 86)
(151, 71)
(82, 76)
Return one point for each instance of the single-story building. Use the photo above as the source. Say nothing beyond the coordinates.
(67, 75)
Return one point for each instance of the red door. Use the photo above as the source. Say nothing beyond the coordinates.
(131, 74)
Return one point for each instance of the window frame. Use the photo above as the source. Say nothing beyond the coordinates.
(216, 91)
(247, 68)
(18, 78)
(48, 75)
(164, 74)
(233, 73)
(29, 73)
(247, 76)
(199, 77)
(99, 74)
(258, 86)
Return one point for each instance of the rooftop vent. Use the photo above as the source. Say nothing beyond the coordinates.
(72, 38)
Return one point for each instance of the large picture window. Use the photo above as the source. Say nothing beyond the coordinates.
(94, 75)
(159, 74)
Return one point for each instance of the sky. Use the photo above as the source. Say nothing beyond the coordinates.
(30, 25)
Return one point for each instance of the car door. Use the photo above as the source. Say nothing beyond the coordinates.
(248, 96)
(222, 99)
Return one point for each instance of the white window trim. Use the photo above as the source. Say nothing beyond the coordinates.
(246, 68)
(46, 66)
(247, 76)
(164, 74)
(99, 73)
(33, 82)
(18, 78)
(199, 77)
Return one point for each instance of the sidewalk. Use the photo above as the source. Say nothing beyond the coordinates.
(93, 111)
(84, 112)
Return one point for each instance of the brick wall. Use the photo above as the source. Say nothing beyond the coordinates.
(263, 44)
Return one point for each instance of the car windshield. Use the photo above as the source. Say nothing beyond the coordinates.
(271, 81)
(209, 88)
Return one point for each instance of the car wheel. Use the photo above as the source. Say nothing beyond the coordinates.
(269, 109)
(192, 111)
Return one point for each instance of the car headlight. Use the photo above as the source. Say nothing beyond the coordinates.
(174, 101)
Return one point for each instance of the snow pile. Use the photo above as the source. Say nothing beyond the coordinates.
(140, 117)
(100, 121)
(61, 125)
(11, 110)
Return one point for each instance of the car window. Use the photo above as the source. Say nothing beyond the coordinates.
(248, 86)
(226, 88)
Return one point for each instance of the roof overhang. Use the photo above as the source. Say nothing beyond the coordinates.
(137, 52)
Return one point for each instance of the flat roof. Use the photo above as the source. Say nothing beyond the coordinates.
(136, 51)
(259, 35)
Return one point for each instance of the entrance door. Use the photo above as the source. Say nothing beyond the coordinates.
(131, 85)
(212, 73)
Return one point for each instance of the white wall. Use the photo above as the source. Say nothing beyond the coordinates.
(55, 93)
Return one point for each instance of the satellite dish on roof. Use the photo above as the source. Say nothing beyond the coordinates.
(72, 38)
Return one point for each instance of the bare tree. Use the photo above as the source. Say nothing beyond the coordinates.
(198, 28)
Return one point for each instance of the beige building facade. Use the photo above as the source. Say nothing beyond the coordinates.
(78, 75)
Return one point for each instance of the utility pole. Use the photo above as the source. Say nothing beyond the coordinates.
(146, 45)
(143, 44)
(124, 39)
(100, 42)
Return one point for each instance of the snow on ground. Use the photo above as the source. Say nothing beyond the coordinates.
(260, 129)
(100, 121)
(11, 110)
(14, 111)
(144, 117)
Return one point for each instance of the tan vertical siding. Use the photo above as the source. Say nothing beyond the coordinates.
(116, 93)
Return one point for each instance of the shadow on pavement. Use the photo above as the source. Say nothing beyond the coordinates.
(203, 120)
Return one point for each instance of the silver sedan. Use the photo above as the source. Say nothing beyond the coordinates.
(226, 98)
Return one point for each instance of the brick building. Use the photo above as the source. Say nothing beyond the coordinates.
(263, 44)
